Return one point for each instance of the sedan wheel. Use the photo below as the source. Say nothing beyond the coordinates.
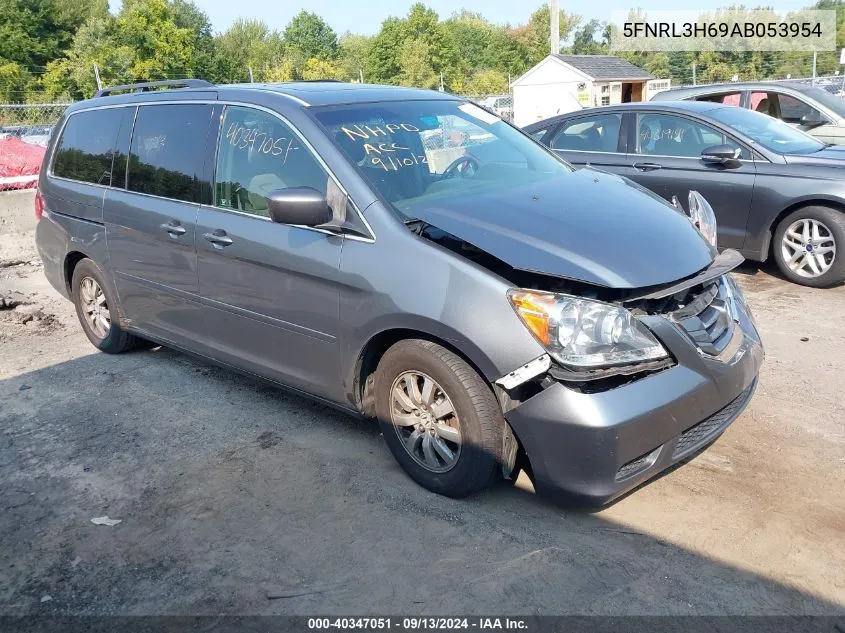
(808, 248)
(425, 421)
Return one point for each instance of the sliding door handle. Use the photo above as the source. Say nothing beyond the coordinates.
(174, 228)
(218, 238)
(647, 166)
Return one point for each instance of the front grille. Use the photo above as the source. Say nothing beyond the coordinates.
(700, 434)
(706, 318)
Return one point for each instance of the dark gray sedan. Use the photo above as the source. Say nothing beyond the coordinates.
(775, 190)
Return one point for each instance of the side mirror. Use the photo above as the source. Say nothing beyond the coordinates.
(813, 119)
(726, 155)
(298, 205)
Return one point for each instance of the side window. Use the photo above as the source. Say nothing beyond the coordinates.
(669, 135)
(599, 133)
(762, 102)
(85, 150)
(725, 98)
(258, 154)
(166, 154)
(792, 110)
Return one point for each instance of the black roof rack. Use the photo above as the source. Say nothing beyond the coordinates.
(145, 86)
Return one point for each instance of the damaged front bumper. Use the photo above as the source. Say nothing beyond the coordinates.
(602, 444)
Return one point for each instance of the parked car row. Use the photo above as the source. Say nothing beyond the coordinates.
(33, 134)
(775, 189)
(809, 108)
(408, 256)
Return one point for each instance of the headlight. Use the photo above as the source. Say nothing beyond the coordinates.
(583, 333)
(702, 217)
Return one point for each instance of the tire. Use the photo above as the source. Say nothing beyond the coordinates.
(114, 339)
(826, 228)
(480, 422)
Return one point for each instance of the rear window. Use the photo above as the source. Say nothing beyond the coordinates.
(166, 155)
(85, 150)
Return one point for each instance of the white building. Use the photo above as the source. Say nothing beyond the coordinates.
(563, 83)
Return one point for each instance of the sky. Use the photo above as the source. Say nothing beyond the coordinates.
(366, 16)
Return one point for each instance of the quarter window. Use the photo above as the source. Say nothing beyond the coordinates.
(669, 135)
(166, 155)
(257, 155)
(589, 134)
(85, 150)
(727, 98)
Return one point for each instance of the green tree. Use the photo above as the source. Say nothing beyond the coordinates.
(415, 65)
(585, 42)
(307, 35)
(353, 53)
(34, 32)
(318, 68)
(486, 82)
(249, 44)
(14, 82)
(536, 35)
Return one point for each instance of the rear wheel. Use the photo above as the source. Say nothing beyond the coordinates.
(439, 418)
(808, 246)
(96, 309)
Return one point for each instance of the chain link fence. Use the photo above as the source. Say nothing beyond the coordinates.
(24, 132)
(500, 104)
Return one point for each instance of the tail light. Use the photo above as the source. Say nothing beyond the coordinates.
(39, 204)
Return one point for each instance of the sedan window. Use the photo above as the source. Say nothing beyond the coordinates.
(773, 134)
(598, 133)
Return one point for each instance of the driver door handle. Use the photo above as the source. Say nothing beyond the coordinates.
(647, 166)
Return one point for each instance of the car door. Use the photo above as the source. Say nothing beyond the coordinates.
(151, 219)
(665, 157)
(796, 111)
(269, 290)
(592, 139)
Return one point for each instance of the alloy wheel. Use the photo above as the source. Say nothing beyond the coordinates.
(808, 248)
(95, 307)
(425, 420)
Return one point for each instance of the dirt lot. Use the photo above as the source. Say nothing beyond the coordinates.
(234, 497)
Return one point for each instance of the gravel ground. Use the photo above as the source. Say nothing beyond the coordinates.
(234, 497)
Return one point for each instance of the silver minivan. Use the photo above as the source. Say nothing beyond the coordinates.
(403, 255)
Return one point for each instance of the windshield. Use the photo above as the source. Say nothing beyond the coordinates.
(422, 151)
(773, 134)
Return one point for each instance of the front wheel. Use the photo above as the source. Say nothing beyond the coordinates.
(439, 418)
(808, 245)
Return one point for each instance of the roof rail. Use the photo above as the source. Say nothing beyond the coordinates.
(145, 86)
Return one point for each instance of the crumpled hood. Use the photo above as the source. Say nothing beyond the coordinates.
(583, 225)
(832, 156)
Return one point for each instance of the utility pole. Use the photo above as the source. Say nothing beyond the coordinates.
(693, 74)
(441, 81)
(361, 74)
(251, 80)
(554, 35)
(815, 54)
(97, 77)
